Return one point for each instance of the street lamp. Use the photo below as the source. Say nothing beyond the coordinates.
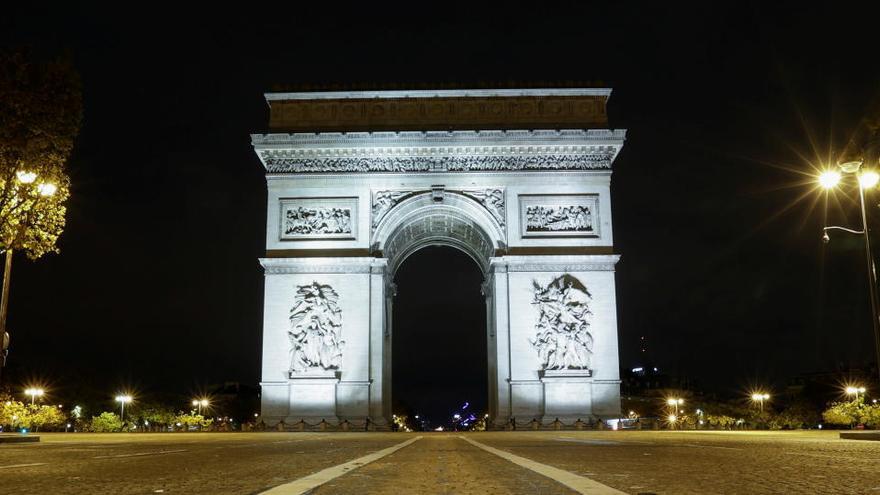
(34, 393)
(867, 179)
(200, 403)
(760, 398)
(123, 400)
(45, 189)
(855, 391)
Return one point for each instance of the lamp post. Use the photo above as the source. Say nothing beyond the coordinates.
(122, 400)
(855, 391)
(200, 403)
(867, 179)
(24, 179)
(673, 404)
(34, 393)
(760, 398)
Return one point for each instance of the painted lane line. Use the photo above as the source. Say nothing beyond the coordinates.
(577, 483)
(588, 441)
(140, 454)
(706, 446)
(23, 465)
(312, 481)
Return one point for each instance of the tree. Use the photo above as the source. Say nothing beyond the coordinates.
(106, 422)
(14, 414)
(40, 114)
(155, 415)
(193, 420)
(45, 416)
(845, 413)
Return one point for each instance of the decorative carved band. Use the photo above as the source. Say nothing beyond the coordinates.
(554, 263)
(277, 163)
(439, 112)
(286, 266)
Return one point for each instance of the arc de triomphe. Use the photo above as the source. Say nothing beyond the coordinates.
(517, 179)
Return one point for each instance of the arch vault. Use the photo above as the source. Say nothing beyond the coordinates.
(517, 179)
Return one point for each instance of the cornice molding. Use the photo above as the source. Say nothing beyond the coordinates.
(284, 266)
(568, 264)
(437, 93)
(441, 151)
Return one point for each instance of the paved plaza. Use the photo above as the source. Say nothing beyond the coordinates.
(448, 463)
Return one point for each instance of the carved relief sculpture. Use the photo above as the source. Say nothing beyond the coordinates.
(383, 201)
(315, 329)
(302, 221)
(562, 336)
(491, 199)
(558, 218)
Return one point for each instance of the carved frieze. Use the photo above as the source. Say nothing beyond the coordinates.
(318, 218)
(284, 162)
(562, 337)
(315, 330)
(574, 215)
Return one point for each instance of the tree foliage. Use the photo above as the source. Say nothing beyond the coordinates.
(193, 420)
(40, 114)
(42, 417)
(15, 415)
(105, 423)
(853, 412)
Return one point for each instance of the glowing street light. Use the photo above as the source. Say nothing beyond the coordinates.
(24, 177)
(760, 398)
(34, 393)
(200, 403)
(123, 400)
(867, 179)
(829, 179)
(855, 391)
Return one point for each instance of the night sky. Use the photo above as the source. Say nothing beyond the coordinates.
(158, 287)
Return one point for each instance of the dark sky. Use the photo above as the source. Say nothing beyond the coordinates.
(158, 286)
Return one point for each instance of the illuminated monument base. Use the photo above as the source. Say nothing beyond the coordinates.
(530, 204)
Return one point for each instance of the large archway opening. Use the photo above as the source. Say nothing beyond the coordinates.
(439, 358)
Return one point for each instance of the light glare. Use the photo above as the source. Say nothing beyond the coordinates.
(869, 179)
(47, 189)
(25, 177)
(829, 178)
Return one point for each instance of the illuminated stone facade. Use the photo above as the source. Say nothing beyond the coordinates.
(530, 205)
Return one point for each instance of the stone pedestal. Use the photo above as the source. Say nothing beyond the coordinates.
(567, 395)
(313, 396)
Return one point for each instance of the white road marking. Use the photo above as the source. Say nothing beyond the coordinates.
(706, 446)
(159, 452)
(23, 465)
(312, 481)
(571, 480)
(588, 441)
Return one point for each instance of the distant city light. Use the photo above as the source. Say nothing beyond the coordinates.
(638, 370)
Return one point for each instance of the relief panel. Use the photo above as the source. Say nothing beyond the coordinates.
(569, 215)
(318, 219)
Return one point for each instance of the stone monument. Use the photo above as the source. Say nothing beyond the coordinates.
(517, 179)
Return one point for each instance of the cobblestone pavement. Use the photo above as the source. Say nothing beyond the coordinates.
(659, 462)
